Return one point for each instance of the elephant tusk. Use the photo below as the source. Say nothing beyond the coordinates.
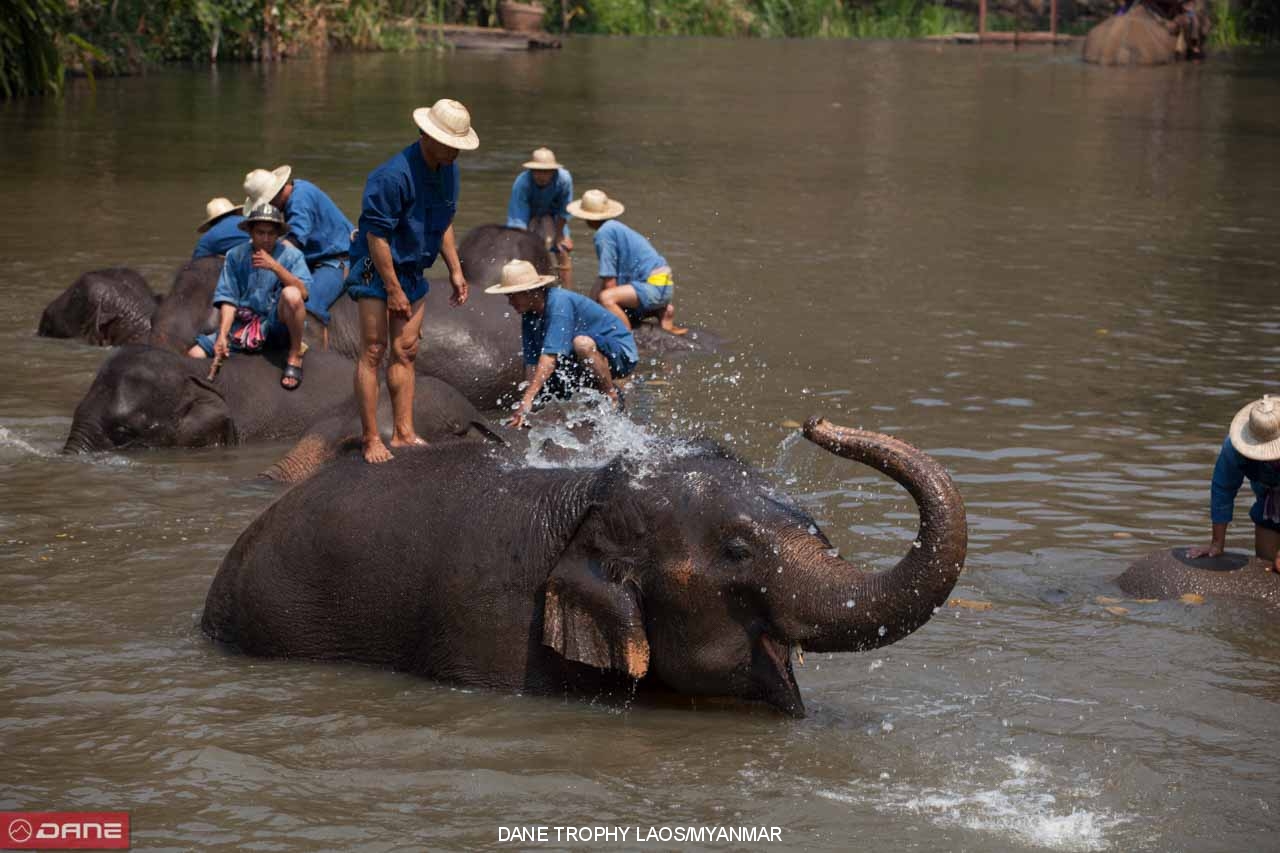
(799, 654)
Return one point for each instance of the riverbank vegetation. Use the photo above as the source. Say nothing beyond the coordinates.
(42, 40)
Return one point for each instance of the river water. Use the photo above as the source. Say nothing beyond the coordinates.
(1058, 279)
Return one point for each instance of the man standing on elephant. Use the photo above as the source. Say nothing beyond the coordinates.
(221, 229)
(545, 188)
(316, 226)
(635, 281)
(565, 336)
(406, 219)
(1252, 451)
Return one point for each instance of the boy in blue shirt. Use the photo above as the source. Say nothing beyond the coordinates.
(564, 332)
(260, 297)
(545, 189)
(1252, 450)
(635, 281)
(221, 229)
(406, 220)
(316, 226)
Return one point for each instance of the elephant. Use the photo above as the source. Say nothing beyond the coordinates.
(1172, 574)
(187, 310)
(107, 307)
(145, 397)
(689, 575)
(1136, 37)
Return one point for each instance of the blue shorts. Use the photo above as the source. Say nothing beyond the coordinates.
(327, 282)
(365, 283)
(275, 336)
(622, 362)
(652, 297)
(1255, 515)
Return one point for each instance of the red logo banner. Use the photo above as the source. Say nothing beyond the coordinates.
(64, 830)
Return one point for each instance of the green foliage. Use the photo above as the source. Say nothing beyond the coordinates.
(29, 58)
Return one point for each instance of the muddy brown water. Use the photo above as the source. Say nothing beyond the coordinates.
(1059, 279)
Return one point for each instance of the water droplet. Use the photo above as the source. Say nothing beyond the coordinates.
(883, 630)
(849, 603)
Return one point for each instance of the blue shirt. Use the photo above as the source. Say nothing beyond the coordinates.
(224, 236)
(258, 290)
(316, 225)
(624, 254)
(1229, 474)
(411, 207)
(567, 315)
(529, 200)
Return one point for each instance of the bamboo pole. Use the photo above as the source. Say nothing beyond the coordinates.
(982, 19)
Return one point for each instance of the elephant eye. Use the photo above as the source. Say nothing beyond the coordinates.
(737, 549)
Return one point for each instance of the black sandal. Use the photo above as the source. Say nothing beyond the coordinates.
(291, 371)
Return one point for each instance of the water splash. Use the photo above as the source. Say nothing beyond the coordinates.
(586, 432)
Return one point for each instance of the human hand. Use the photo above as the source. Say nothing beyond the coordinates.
(460, 289)
(1213, 550)
(397, 302)
(221, 348)
(520, 417)
(262, 260)
(566, 244)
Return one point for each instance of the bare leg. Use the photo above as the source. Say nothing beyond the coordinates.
(616, 298)
(294, 313)
(668, 321)
(1266, 544)
(565, 269)
(405, 335)
(197, 352)
(373, 347)
(589, 354)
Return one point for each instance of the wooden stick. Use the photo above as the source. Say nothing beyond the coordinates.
(217, 365)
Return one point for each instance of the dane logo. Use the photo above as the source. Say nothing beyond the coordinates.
(64, 830)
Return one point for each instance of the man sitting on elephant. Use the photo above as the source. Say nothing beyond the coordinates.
(564, 333)
(221, 229)
(545, 188)
(260, 296)
(316, 226)
(1252, 450)
(635, 281)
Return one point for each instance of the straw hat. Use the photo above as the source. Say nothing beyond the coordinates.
(594, 204)
(262, 186)
(447, 122)
(544, 159)
(1255, 430)
(518, 276)
(215, 209)
(264, 213)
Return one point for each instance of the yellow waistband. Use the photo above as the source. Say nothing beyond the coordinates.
(660, 279)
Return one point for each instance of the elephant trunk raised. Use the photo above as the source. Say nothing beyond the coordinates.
(827, 604)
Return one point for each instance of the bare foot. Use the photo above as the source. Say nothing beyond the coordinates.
(375, 452)
(414, 440)
(668, 322)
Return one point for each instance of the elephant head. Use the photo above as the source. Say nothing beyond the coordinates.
(702, 577)
(146, 397)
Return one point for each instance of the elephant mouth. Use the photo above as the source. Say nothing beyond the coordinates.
(773, 678)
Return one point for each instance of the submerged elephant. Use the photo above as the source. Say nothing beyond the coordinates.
(146, 397)
(107, 307)
(455, 563)
(1172, 574)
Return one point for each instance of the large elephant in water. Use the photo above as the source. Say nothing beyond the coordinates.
(105, 307)
(694, 576)
(1172, 574)
(146, 397)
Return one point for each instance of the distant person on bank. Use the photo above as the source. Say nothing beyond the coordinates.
(406, 219)
(317, 228)
(565, 336)
(1251, 451)
(545, 188)
(260, 297)
(221, 231)
(635, 281)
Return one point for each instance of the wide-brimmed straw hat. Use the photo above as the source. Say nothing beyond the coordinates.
(518, 276)
(594, 204)
(215, 210)
(264, 213)
(1255, 430)
(449, 122)
(544, 159)
(261, 186)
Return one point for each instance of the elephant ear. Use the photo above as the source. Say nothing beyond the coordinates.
(590, 619)
(206, 412)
